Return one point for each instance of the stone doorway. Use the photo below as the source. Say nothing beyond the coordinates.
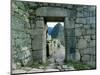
(55, 42)
(56, 25)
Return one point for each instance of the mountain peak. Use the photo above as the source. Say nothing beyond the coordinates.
(58, 28)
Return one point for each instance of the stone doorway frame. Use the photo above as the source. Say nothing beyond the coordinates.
(47, 12)
(53, 19)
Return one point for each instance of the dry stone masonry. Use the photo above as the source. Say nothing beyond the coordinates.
(28, 31)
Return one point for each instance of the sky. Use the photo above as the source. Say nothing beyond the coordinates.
(52, 24)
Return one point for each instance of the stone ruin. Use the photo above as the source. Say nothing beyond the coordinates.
(28, 31)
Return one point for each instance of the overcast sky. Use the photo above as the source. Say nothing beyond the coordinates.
(52, 24)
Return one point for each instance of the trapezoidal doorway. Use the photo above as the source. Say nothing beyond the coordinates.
(55, 41)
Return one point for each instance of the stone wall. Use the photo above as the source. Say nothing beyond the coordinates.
(80, 29)
(85, 34)
(29, 31)
(20, 36)
(28, 35)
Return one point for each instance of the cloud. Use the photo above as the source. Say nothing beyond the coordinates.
(52, 24)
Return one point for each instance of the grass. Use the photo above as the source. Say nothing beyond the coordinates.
(79, 65)
(38, 65)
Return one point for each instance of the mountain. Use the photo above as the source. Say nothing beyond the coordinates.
(50, 30)
(58, 32)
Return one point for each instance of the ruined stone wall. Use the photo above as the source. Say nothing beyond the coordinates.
(80, 34)
(28, 35)
(85, 34)
(20, 36)
(29, 31)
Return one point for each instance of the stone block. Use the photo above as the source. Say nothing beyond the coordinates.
(14, 8)
(86, 58)
(81, 20)
(80, 14)
(92, 13)
(79, 8)
(37, 31)
(69, 23)
(18, 71)
(91, 20)
(20, 5)
(93, 50)
(93, 37)
(17, 23)
(90, 51)
(40, 23)
(70, 32)
(93, 26)
(92, 63)
(82, 43)
(37, 42)
(35, 70)
(92, 10)
(87, 26)
(78, 25)
(89, 31)
(86, 13)
(51, 70)
(37, 55)
(92, 43)
(87, 37)
(51, 11)
(70, 42)
(77, 55)
(93, 31)
(78, 32)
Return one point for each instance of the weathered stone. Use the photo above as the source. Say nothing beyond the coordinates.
(77, 56)
(92, 43)
(20, 5)
(87, 37)
(26, 68)
(79, 8)
(93, 37)
(92, 11)
(82, 44)
(18, 71)
(91, 20)
(87, 26)
(59, 67)
(64, 66)
(93, 31)
(14, 66)
(80, 14)
(86, 58)
(69, 24)
(41, 67)
(40, 22)
(88, 51)
(78, 25)
(70, 68)
(49, 70)
(70, 32)
(50, 11)
(81, 20)
(35, 70)
(17, 23)
(18, 65)
(37, 55)
(78, 32)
